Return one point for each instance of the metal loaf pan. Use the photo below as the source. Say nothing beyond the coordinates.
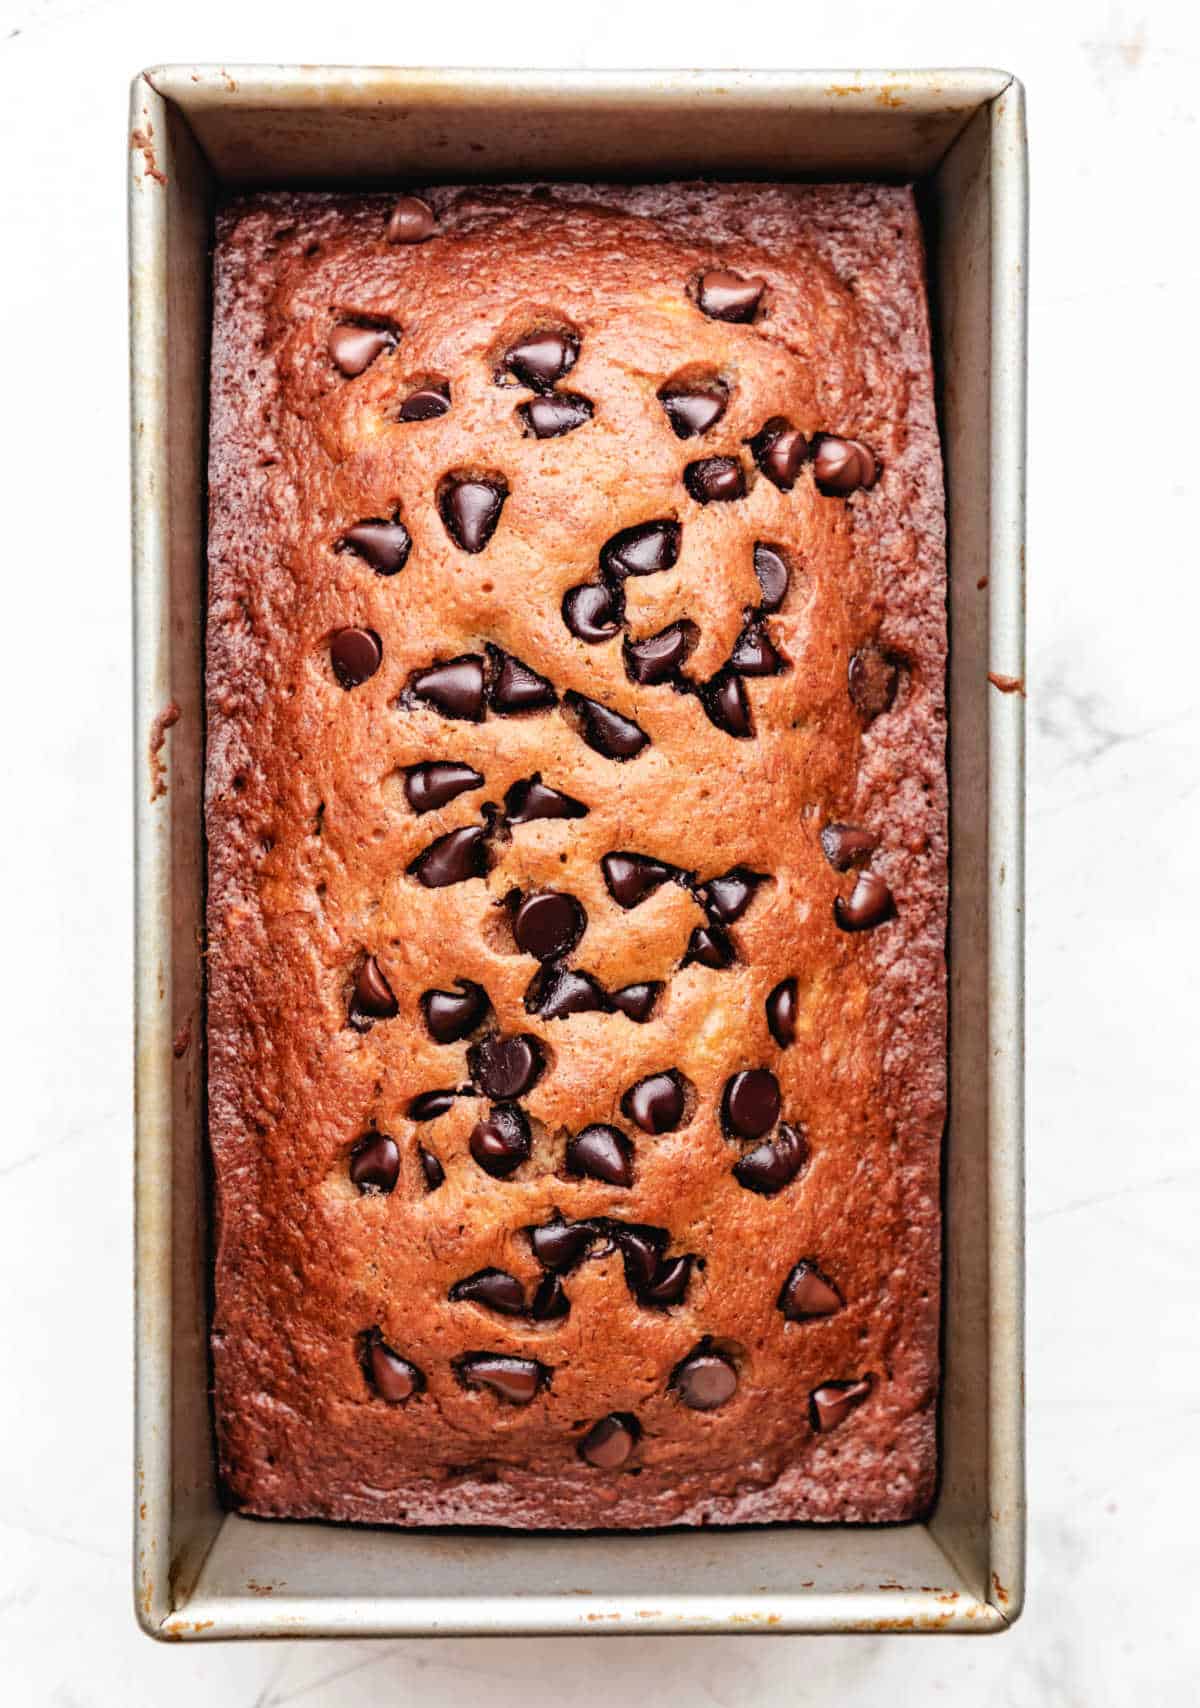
(203, 1572)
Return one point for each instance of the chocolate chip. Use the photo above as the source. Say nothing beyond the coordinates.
(501, 1143)
(428, 1105)
(842, 465)
(715, 480)
(704, 1380)
(781, 1012)
(453, 858)
(549, 1300)
(494, 1288)
(559, 991)
(431, 1168)
(636, 1001)
(532, 799)
(872, 678)
(750, 1106)
(727, 898)
(470, 510)
(514, 1380)
(375, 1163)
(641, 1251)
(602, 1153)
(769, 1167)
(869, 904)
(561, 1245)
(771, 568)
(660, 657)
(515, 687)
(779, 450)
(506, 1067)
(832, 1404)
(755, 654)
(609, 1443)
(548, 924)
(710, 947)
(807, 1294)
(551, 417)
(724, 295)
(383, 545)
(393, 1378)
(656, 1103)
(353, 348)
(607, 732)
(541, 358)
(433, 785)
(845, 844)
(669, 1284)
(644, 549)
(411, 221)
(694, 412)
(592, 612)
(727, 706)
(355, 655)
(452, 1014)
(632, 877)
(372, 993)
(455, 688)
(426, 403)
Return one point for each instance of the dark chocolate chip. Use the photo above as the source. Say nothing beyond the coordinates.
(694, 412)
(727, 705)
(551, 417)
(393, 1378)
(411, 221)
(715, 480)
(660, 657)
(517, 688)
(842, 465)
(755, 653)
(656, 1103)
(431, 1168)
(426, 403)
(455, 688)
(494, 1288)
(355, 655)
(542, 358)
(724, 295)
(353, 348)
(504, 1067)
(548, 924)
(669, 1283)
(844, 845)
(428, 1105)
(771, 1166)
(641, 1253)
(607, 732)
(779, 450)
(771, 568)
(501, 1143)
(705, 1380)
(453, 858)
(470, 510)
(832, 1403)
(608, 1444)
(384, 545)
(452, 1014)
(644, 549)
(710, 946)
(592, 612)
(375, 1163)
(372, 993)
(727, 898)
(636, 1001)
(782, 1008)
(751, 1103)
(632, 877)
(561, 1245)
(433, 785)
(557, 992)
(602, 1153)
(872, 678)
(514, 1380)
(549, 1300)
(532, 799)
(807, 1294)
(869, 904)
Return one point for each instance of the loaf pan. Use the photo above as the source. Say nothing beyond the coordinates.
(203, 1572)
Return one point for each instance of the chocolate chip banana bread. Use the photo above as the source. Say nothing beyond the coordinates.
(577, 855)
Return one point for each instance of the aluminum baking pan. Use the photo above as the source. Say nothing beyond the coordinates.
(203, 1572)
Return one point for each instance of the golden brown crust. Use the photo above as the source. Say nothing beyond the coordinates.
(311, 838)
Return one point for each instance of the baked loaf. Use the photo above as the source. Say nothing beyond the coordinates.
(577, 852)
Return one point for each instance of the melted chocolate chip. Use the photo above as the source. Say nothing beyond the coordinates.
(501, 1143)
(724, 295)
(373, 999)
(383, 545)
(755, 654)
(592, 612)
(769, 1167)
(532, 799)
(641, 1251)
(516, 688)
(832, 1404)
(727, 705)
(602, 1153)
(455, 688)
(557, 992)
(514, 1380)
(636, 1001)
(808, 1294)
(694, 412)
(393, 1378)
(842, 465)
(771, 568)
(844, 845)
(431, 1168)
(782, 1008)
(607, 732)
(375, 1163)
(660, 657)
(632, 877)
(411, 221)
(549, 1300)
(715, 480)
(779, 450)
(551, 417)
(352, 348)
(727, 898)
(426, 403)
(541, 358)
(506, 1067)
(704, 1380)
(642, 550)
(453, 858)
(872, 678)
(560, 1245)
(433, 785)
(669, 1284)
(869, 904)
(355, 655)
(608, 1444)
(750, 1106)
(709, 945)
(452, 1014)
(548, 924)
(428, 1105)
(470, 510)
(494, 1288)
(657, 1102)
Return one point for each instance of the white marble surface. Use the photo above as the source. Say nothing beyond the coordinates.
(1114, 705)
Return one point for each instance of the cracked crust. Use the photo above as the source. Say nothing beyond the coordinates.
(310, 838)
